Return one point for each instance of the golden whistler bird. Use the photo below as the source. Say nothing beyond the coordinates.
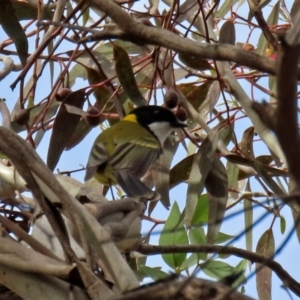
(124, 152)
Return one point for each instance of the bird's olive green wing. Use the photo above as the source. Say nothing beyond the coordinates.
(97, 157)
(130, 161)
(134, 157)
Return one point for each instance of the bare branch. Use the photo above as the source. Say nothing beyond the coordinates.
(288, 281)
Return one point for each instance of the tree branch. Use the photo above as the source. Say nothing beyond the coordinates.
(289, 282)
(162, 37)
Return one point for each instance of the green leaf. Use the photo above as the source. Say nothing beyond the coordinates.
(78, 71)
(197, 237)
(201, 166)
(195, 93)
(201, 211)
(216, 185)
(223, 237)
(266, 248)
(85, 15)
(12, 27)
(248, 213)
(233, 185)
(161, 171)
(180, 172)
(191, 261)
(103, 93)
(32, 10)
(126, 76)
(154, 273)
(241, 267)
(216, 269)
(282, 224)
(174, 233)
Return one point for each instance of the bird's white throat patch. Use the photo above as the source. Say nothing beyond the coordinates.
(161, 130)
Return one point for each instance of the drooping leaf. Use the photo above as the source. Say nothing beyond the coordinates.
(197, 237)
(248, 215)
(216, 185)
(266, 248)
(29, 11)
(295, 8)
(246, 144)
(201, 211)
(51, 63)
(10, 24)
(165, 67)
(269, 181)
(213, 95)
(195, 94)
(161, 172)
(225, 130)
(64, 127)
(144, 77)
(227, 33)
(200, 168)
(126, 76)
(181, 172)
(81, 131)
(85, 15)
(174, 233)
(233, 185)
(282, 224)
(102, 93)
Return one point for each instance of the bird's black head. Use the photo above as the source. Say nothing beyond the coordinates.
(147, 115)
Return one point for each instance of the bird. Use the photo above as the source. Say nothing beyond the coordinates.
(124, 152)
